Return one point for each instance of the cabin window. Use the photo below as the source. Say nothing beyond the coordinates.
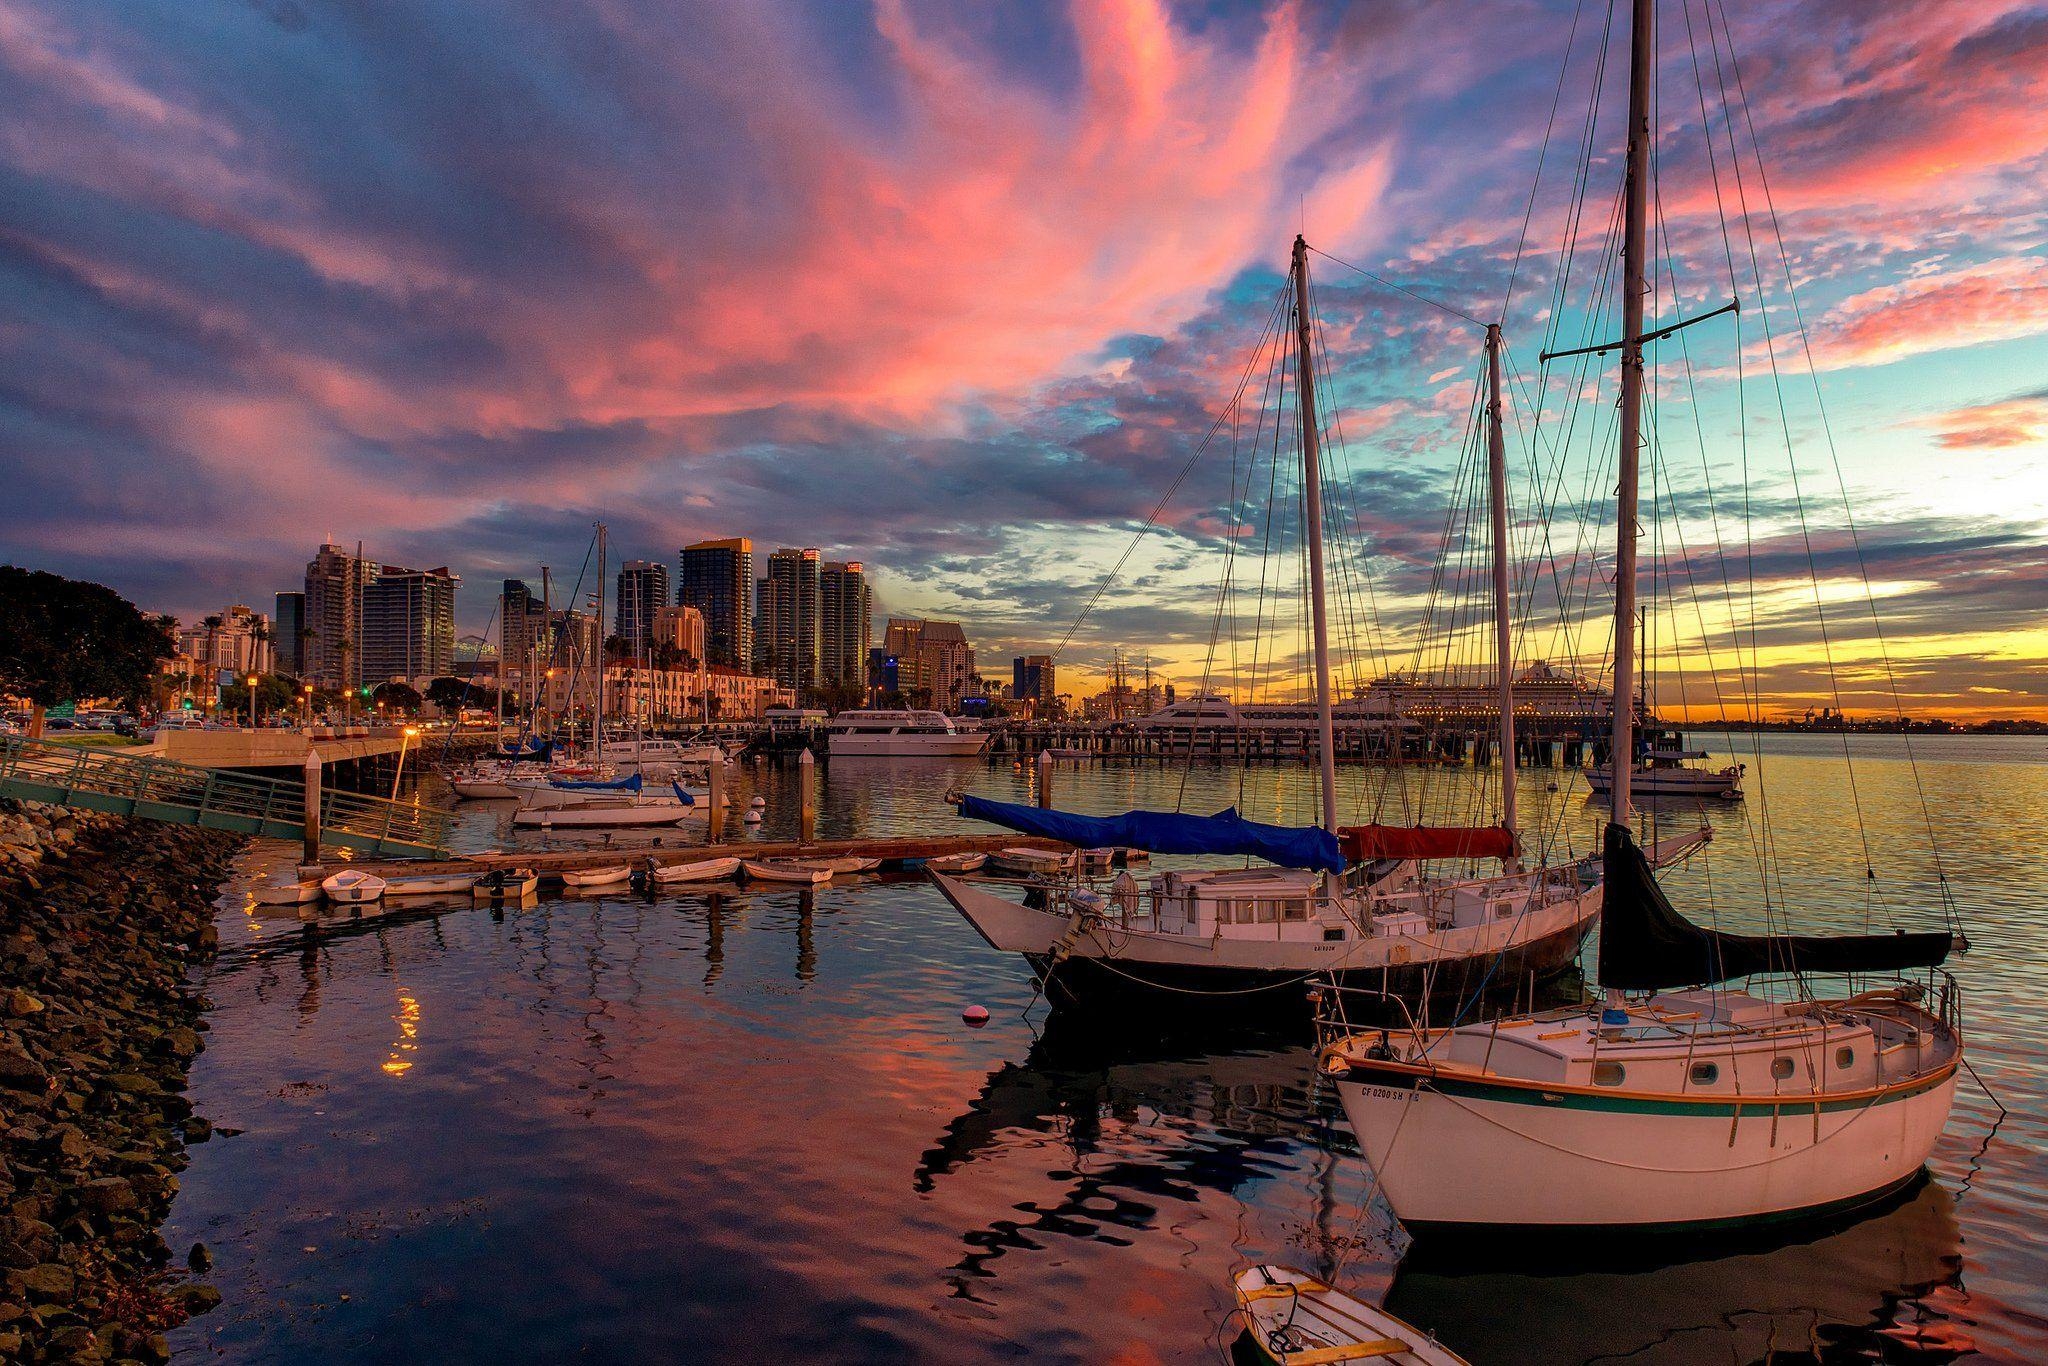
(1226, 913)
(1333, 933)
(1294, 910)
(1845, 1057)
(1609, 1074)
(1781, 1068)
(1269, 911)
(1705, 1073)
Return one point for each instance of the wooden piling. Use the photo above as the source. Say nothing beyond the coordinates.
(807, 799)
(715, 829)
(1044, 766)
(312, 808)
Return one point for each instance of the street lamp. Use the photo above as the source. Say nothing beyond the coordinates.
(403, 741)
(252, 701)
(306, 691)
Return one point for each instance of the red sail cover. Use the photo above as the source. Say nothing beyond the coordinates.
(1362, 843)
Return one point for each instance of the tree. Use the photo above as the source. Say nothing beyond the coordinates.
(62, 639)
(397, 696)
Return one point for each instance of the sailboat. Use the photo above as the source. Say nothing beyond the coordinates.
(1353, 904)
(1677, 1103)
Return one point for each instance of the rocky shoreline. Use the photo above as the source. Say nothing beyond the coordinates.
(100, 920)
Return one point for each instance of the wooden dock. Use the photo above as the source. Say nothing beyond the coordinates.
(667, 849)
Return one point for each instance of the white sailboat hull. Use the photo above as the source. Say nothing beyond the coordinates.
(855, 745)
(1441, 1152)
(1675, 782)
(595, 816)
(1541, 940)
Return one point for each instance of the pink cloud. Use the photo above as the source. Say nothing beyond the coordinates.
(1997, 301)
(2011, 422)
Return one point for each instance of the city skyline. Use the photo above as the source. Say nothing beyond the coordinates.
(984, 400)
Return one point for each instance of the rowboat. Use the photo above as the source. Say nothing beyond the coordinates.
(506, 884)
(956, 863)
(699, 870)
(429, 884)
(787, 870)
(1027, 861)
(287, 889)
(847, 863)
(609, 876)
(351, 887)
(1293, 1319)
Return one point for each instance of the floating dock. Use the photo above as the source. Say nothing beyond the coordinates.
(664, 850)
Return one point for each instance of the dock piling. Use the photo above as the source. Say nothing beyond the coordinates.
(1044, 765)
(806, 779)
(715, 826)
(312, 809)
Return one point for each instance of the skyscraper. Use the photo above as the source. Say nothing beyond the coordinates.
(845, 622)
(1031, 680)
(934, 662)
(335, 582)
(287, 649)
(717, 578)
(408, 629)
(643, 591)
(790, 618)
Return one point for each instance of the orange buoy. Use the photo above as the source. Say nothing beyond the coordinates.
(977, 1016)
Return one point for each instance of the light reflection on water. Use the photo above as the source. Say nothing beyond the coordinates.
(740, 1124)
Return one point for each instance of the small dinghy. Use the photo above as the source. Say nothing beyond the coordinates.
(506, 884)
(956, 863)
(287, 889)
(352, 888)
(1296, 1320)
(1026, 861)
(428, 884)
(609, 876)
(847, 863)
(787, 870)
(698, 870)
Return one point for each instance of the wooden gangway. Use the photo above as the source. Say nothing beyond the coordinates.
(149, 788)
(685, 848)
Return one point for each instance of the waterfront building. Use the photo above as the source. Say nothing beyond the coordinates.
(934, 662)
(642, 592)
(717, 578)
(681, 629)
(233, 641)
(522, 623)
(846, 602)
(1032, 683)
(335, 583)
(790, 619)
(287, 634)
(408, 625)
(736, 695)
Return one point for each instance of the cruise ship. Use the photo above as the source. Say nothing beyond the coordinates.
(900, 734)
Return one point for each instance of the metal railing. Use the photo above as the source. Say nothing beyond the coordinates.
(162, 789)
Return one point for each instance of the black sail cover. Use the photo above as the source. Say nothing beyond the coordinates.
(1646, 945)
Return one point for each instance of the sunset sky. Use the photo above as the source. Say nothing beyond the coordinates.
(955, 289)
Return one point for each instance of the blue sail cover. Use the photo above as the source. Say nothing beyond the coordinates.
(535, 748)
(1169, 832)
(626, 784)
(682, 793)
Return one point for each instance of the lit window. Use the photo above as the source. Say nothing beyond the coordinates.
(1609, 1074)
(1705, 1073)
(1781, 1068)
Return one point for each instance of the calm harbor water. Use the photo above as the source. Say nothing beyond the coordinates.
(750, 1125)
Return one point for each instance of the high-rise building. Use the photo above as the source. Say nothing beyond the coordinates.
(1031, 680)
(846, 604)
(287, 644)
(790, 619)
(335, 583)
(408, 629)
(643, 591)
(717, 578)
(934, 662)
(681, 629)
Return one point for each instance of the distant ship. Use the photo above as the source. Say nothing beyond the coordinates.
(901, 735)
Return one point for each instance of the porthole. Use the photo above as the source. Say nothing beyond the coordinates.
(1705, 1073)
(1609, 1074)
(1845, 1058)
(1781, 1068)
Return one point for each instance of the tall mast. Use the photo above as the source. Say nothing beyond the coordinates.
(597, 722)
(1503, 635)
(1312, 479)
(1634, 234)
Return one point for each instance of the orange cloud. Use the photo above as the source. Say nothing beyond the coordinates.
(2021, 421)
(1997, 301)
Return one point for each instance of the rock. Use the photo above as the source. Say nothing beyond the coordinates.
(133, 1084)
(49, 1281)
(107, 1195)
(20, 1003)
(20, 1071)
(198, 1129)
(200, 1258)
(196, 1298)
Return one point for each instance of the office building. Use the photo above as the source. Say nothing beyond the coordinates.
(642, 592)
(335, 583)
(717, 578)
(234, 640)
(287, 643)
(1032, 682)
(408, 625)
(934, 662)
(680, 629)
(845, 615)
